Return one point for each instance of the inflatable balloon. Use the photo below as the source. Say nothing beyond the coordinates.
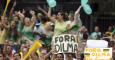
(51, 3)
(87, 9)
(84, 2)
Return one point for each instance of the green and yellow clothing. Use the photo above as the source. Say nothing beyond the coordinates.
(108, 33)
(60, 27)
(27, 32)
(3, 35)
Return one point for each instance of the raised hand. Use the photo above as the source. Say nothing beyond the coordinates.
(23, 11)
(32, 12)
(21, 15)
(39, 8)
(14, 3)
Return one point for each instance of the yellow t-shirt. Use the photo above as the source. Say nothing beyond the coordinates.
(60, 27)
(109, 34)
(3, 36)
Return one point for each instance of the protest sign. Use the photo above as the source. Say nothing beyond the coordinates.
(98, 53)
(65, 43)
(96, 44)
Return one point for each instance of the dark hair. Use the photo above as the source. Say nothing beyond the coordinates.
(107, 39)
(65, 17)
(44, 19)
(61, 55)
(73, 54)
(113, 34)
(111, 43)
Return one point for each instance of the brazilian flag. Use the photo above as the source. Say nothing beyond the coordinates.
(75, 27)
(105, 50)
(47, 41)
(87, 54)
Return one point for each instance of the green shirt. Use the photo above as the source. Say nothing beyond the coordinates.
(27, 31)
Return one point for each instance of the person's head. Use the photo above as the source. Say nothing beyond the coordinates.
(8, 49)
(96, 29)
(34, 56)
(83, 29)
(1, 56)
(32, 12)
(24, 48)
(69, 56)
(110, 28)
(15, 18)
(27, 21)
(61, 16)
(4, 19)
(44, 19)
(111, 43)
(11, 43)
(15, 13)
(59, 57)
(71, 17)
(113, 36)
(39, 15)
(13, 24)
(43, 51)
(48, 25)
(17, 56)
(6, 42)
(54, 16)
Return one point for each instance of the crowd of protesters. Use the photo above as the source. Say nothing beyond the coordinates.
(18, 32)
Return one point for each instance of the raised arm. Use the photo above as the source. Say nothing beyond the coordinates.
(33, 18)
(12, 9)
(21, 15)
(39, 8)
(48, 14)
(76, 19)
(76, 15)
(78, 10)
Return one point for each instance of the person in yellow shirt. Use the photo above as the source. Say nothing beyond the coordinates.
(109, 31)
(3, 29)
(60, 25)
